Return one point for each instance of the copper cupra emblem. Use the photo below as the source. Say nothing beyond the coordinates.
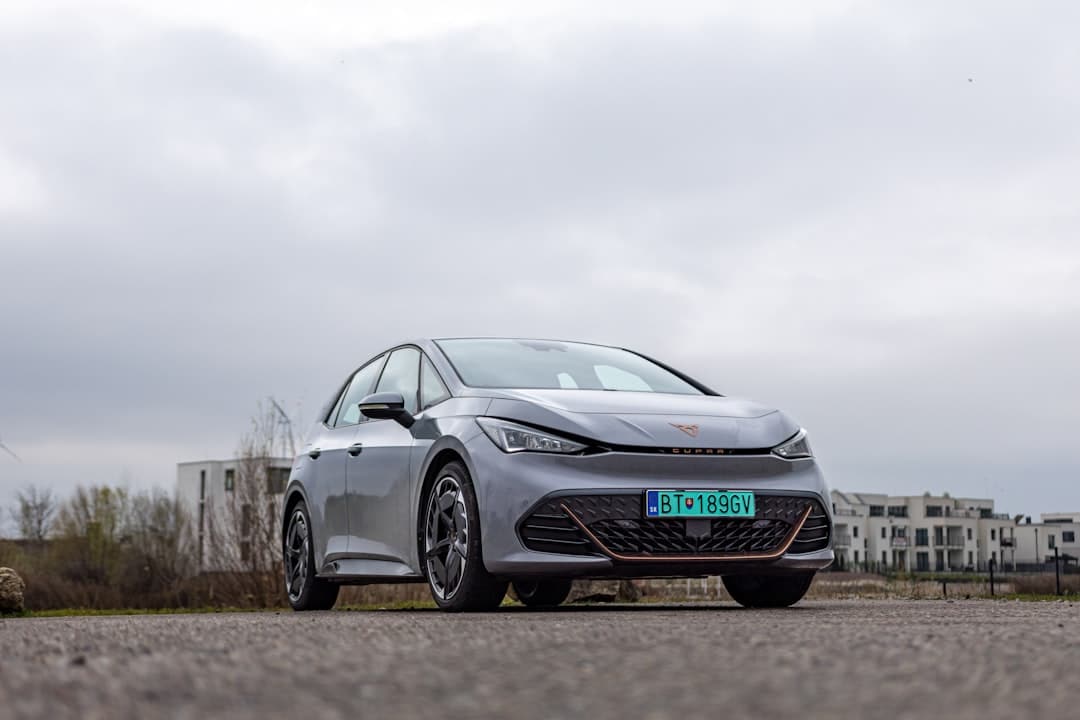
(691, 430)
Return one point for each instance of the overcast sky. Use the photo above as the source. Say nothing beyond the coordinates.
(864, 214)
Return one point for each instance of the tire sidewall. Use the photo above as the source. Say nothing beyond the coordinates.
(475, 573)
(304, 599)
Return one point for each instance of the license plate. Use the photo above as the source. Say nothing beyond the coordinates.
(698, 503)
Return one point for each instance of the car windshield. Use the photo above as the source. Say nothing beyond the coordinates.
(545, 364)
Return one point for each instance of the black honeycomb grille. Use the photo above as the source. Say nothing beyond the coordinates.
(616, 521)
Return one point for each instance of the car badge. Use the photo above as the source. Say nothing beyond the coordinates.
(689, 503)
(691, 430)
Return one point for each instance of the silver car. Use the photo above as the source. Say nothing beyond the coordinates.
(474, 463)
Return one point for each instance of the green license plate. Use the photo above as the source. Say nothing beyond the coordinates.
(698, 503)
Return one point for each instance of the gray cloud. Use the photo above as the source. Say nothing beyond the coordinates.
(834, 220)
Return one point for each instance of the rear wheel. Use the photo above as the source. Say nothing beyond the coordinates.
(768, 591)
(305, 591)
(452, 557)
(542, 593)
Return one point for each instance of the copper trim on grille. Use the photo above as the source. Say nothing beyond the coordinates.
(691, 558)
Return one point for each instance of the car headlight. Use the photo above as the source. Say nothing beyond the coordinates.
(511, 438)
(796, 447)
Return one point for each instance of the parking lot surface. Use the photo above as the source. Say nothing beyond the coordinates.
(963, 659)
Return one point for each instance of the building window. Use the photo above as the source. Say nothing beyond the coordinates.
(230, 479)
(922, 539)
(922, 560)
(969, 533)
(877, 511)
(933, 511)
(898, 511)
(884, 557)
(993, 534)
(245, 520)
(855, 531)
(882, 533)
(971, 558)
(276, 480)
(856, 555)
(993, 557)
(1050, 543)
(1068, 536)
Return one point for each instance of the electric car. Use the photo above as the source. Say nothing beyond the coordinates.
(471, 464)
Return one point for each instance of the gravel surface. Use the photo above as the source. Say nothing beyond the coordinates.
(963, 659)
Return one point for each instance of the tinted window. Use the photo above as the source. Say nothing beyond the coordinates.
(402, 376)
(503, 363)
(432, 389)
(359, 388)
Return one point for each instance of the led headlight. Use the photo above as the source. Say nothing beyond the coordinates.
(511, 437)
(796, 447)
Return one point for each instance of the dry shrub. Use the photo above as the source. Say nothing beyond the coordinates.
(1044, 584)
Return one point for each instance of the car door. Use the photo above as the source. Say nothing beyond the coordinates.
(329, 453)
(378, 470)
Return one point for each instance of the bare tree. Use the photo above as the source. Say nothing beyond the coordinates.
(90, 529)
(33, 513)
(158, 529)
(245, 529)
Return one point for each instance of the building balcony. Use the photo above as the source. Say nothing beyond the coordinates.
(1008, 542)
(842, 540)
(848, 512)
(900, 542)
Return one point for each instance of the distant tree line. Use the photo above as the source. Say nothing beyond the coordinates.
(110, 547)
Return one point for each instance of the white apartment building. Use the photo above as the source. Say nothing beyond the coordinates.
(1036, 542)
(920, 533)
(222, 511)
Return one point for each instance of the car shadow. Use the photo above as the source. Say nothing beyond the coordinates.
(575, 608)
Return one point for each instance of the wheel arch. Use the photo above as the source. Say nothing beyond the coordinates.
(293, 495)
(446, 450)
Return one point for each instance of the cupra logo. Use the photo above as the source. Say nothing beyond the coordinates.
(691, 430)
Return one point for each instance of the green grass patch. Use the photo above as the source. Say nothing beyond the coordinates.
(91, 612)
(1039, 597)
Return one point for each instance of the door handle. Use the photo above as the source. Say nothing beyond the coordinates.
(314, 453)
(356, 448)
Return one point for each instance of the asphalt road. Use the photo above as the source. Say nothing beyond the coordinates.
(964, 659)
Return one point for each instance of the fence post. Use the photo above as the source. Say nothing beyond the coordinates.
(992, 577)
(945, 588)
(1057, 571)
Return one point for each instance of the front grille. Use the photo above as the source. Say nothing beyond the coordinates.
(615, 520)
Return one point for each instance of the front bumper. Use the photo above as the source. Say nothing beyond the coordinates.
(513, 487)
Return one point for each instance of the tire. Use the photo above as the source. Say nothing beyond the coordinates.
(450, 546)
(304, 590)
(542, 593)
(768, 591)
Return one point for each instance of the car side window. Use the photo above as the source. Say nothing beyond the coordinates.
(359, 388)
(432, 389)
(402, 376)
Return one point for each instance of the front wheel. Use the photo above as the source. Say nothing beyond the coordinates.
(305, 590)
(768, 591)
(542, 593)
(452, 556)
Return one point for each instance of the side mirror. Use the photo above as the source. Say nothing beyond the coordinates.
(386, 406)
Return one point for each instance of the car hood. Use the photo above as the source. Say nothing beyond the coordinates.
(641, 419)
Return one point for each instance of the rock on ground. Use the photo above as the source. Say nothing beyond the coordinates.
(12, 588)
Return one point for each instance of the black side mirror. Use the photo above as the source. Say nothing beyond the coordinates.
(387, 406)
